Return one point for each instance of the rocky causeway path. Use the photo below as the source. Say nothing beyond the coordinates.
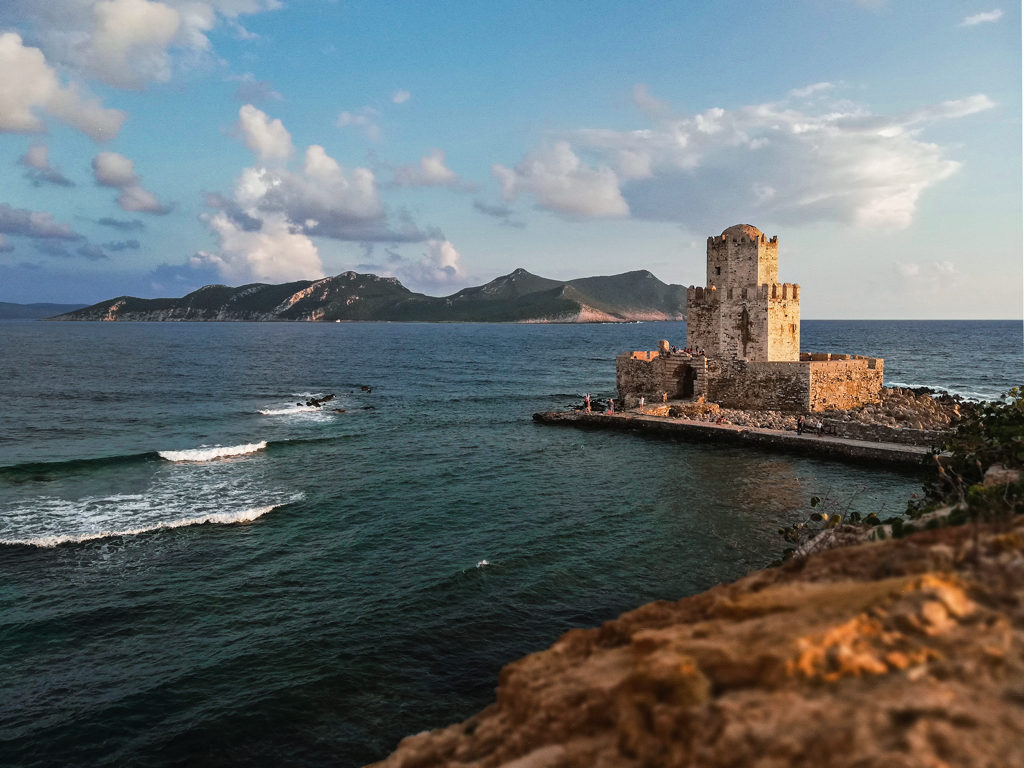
(840, 448)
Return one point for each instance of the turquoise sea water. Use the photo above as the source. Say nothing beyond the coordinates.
(337, 597)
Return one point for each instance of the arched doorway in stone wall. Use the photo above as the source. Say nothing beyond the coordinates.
(686, 376)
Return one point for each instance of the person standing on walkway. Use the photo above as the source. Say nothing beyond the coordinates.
(800, 425)
(821, 427)
(641, 405)
(586, 402)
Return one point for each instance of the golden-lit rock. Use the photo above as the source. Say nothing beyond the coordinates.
(906, 653)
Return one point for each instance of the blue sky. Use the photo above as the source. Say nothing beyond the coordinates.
(152, 147)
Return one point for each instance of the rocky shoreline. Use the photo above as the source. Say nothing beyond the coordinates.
(922, 416)
(901, 653)
(921, 409)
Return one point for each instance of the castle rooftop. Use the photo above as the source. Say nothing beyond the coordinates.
(743, 229)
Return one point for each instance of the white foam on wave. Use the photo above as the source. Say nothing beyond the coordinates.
(288, 411)
(482, 563)
(224, 518)
(177, 494)
(967, 394)
(216, 452)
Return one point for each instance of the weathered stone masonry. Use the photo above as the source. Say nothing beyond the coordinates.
(747, 325)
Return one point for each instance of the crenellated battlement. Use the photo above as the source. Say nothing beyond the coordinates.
(700, 295)
(781, 291)
(719, 240)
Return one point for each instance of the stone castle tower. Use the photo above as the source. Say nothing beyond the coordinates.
(744, 313)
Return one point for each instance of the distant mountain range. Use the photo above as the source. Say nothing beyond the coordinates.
(34, 311)
(519, 297)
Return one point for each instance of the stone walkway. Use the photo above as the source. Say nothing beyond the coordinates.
(839, 448)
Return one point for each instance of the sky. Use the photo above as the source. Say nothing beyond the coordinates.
(149, 148)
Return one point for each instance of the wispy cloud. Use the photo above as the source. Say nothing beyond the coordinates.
(982, 18)
(501, 212)
(118, 171)
(122, 225)
(253, 91)
(400, 97)
(40, 172)
(365, 120)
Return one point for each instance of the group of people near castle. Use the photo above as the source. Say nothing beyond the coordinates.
(691, 351)
(586, 404)
(802, 425)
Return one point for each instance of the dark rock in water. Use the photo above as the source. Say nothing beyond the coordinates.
(339, 410)
(369, 408)
(366, 388)
(316, 402)
(299, 404)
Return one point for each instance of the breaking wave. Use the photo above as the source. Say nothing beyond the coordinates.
(224, 518)
(288, 411)
(967, 394)
(217, 452)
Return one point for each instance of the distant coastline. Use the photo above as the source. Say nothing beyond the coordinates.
(519, 297)
(38, 311)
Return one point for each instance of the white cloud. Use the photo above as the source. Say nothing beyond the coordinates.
(838, 163)
(439, 268)
(561, 182)
(323, 199)
(264, 228)
(136, 198)
(37, 160)
(365, 120)
(128, 43)
(275, 253)
(982, 18)
(267, 139)
(130, 40)
(431, 172)
(30, 84)
(400, 97)
(114, 170)
(440, 265)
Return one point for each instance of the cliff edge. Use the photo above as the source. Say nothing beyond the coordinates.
(902, 653)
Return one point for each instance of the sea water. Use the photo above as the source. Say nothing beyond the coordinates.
(199, 569)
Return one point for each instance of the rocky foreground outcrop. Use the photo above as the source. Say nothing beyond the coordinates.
(902, 654)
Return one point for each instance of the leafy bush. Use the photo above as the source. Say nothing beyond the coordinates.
(989, 441)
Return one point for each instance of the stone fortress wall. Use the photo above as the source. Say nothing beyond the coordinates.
(747, 325)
